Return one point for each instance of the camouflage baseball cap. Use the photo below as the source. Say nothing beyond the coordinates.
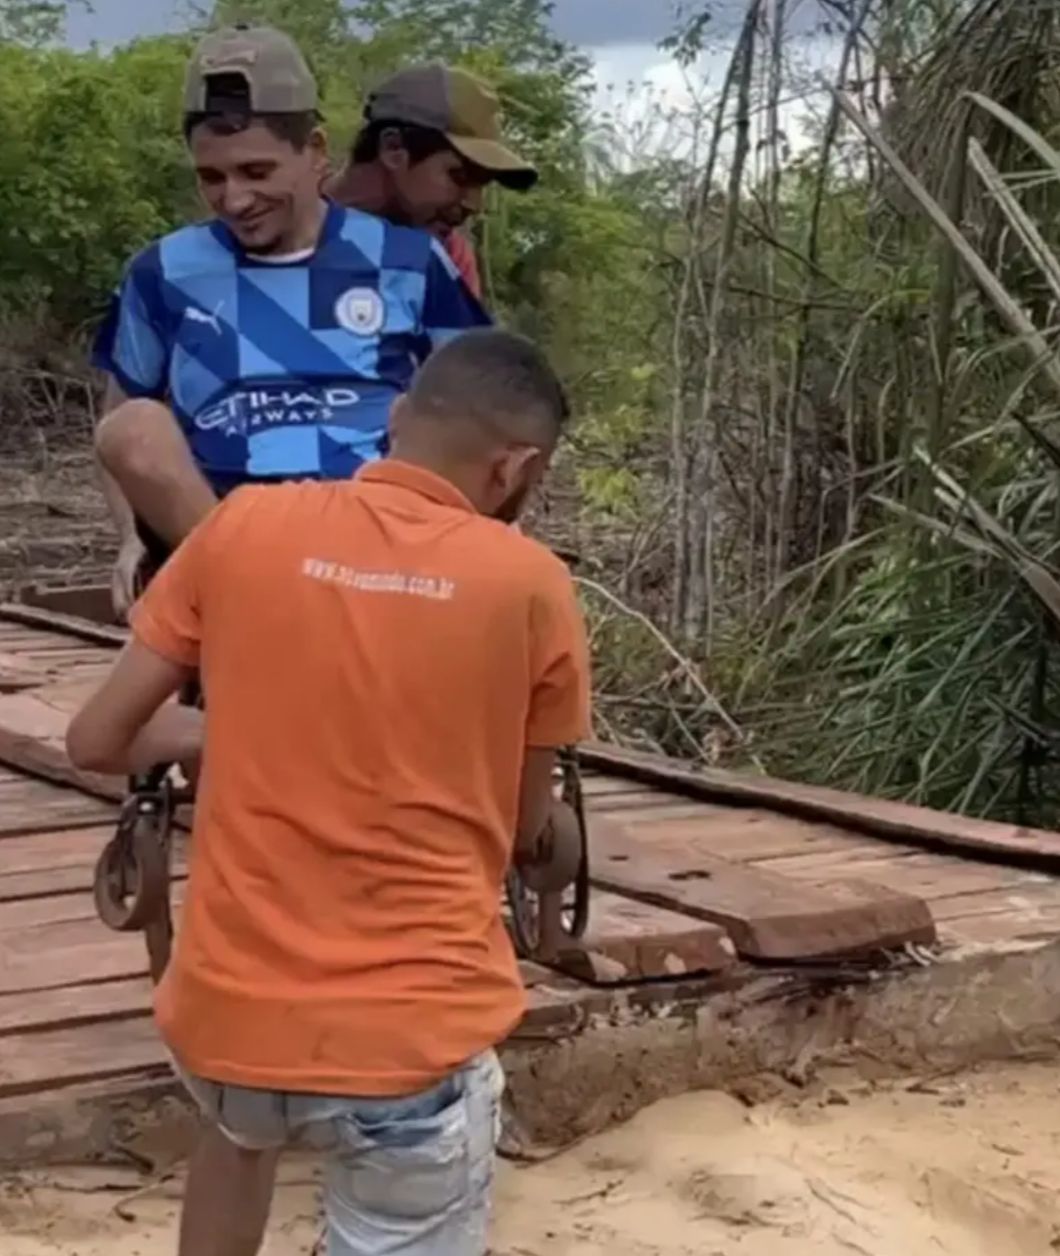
(277, 76)
(459, 105)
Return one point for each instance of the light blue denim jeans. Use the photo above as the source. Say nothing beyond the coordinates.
(406, 1177)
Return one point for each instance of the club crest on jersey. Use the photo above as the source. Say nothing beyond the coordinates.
(361, 311)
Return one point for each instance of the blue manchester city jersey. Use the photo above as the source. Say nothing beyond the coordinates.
(283, 370)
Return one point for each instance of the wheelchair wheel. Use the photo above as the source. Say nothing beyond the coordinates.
(525, 905)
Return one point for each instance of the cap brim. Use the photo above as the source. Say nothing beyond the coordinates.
(507, 169)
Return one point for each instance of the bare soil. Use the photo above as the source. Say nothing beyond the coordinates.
(53, 521)
(964, 1166)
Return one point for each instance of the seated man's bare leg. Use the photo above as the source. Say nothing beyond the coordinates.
(142, 446)
(227, 1198)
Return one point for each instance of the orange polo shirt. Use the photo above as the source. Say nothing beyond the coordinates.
(376, 657)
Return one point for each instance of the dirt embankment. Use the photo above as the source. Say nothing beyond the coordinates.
(53, 521)
(958, 1167)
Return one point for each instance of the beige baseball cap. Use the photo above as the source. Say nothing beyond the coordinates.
(461, 107)
(278, 77)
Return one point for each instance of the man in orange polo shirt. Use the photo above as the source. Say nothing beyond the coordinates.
(388, 672)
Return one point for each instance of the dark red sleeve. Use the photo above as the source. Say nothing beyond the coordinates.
(462, 252)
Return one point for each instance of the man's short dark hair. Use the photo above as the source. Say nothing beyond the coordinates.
(498, 378)
(420, 142)
(228, 112)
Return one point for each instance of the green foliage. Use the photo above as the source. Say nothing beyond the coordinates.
(875, 606)
(90, 170)
(93, 165)
(31, 22)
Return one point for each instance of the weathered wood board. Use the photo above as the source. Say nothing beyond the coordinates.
(629, 941)
(767, 916)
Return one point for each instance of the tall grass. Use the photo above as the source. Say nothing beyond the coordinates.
(864, 394)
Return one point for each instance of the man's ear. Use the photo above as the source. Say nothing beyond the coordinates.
(317, 144)
(393, 155)
(516, 464)
(398, 417)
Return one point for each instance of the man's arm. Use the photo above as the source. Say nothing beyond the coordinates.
(547, 844)
(124, 729)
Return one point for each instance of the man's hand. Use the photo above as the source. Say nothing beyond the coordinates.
(553, 864)
(127, 726)
(123, 578)
(183, 728)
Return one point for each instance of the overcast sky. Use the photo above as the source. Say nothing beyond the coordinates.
(621, 36)
(585, 22)
(588, 23)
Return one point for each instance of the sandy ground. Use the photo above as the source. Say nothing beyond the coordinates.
(966, 1165)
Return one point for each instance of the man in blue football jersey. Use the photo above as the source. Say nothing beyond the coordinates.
(269, 342)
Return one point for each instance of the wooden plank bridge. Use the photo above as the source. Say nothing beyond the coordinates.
(703, 883)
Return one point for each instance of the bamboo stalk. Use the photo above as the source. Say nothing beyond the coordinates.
(1018, 218)
(1006, 306)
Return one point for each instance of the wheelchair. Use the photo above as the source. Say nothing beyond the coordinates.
(132, 877)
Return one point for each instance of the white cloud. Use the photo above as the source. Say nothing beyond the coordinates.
(653, 99)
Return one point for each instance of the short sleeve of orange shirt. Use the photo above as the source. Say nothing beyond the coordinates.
(168, 616)
(560, 698)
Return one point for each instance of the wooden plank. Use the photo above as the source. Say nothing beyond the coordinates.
(108, 957)
(70, 693)
(889, 821)
(50, 910)
(56, 909)
(61, 1057)
(32, 739)
(927, 876)
(60, 862)
(14, 682)
(33, 792)
(66, 954)
(768, 917)
(39, 807)
(56, 882)
(643, 799)
(1012, 899)
(607, 786)
(50, 852)
(1036, 924)
(629, 941)
(751, 835)
(74, 1005)
(15, 637)
(18, 669)
(652, 815)
(50, 658)
(91, 601)
(66, 625)
(845, 853)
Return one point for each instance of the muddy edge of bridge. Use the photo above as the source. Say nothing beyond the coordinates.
(604, 1058)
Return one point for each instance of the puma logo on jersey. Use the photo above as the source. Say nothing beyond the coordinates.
(213, 321)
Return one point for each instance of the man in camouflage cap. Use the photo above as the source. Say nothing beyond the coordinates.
(430, 144)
